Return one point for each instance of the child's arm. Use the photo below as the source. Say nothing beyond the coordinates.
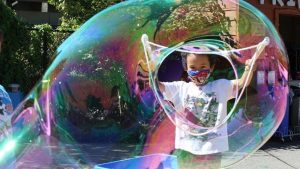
(170, 90)
(161, 86)
(242, 81)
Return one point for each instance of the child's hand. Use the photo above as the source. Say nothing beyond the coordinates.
(260, 48)
(248, 64)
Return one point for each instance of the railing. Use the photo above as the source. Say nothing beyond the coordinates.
(290, 133)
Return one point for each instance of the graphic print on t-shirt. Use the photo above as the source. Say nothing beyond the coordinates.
(202, 110)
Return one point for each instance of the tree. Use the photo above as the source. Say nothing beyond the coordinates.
(75, 13)
(15, 34)
(27, 50)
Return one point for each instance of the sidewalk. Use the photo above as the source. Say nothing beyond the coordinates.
(274, 155)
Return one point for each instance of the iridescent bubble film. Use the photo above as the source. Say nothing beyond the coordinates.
(99, 104)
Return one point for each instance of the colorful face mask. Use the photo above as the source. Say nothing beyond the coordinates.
(199, 77)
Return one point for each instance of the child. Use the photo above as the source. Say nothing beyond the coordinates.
(204, 103)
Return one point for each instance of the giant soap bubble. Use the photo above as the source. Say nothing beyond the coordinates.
(99, 102)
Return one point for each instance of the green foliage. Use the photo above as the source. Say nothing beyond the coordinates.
(75, 13)
(38, 53)
(27, 51)
(15, 36)
(197, 15)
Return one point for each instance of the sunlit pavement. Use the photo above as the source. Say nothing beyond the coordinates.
(274, 155)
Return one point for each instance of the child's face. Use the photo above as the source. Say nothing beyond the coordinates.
(197, 62)
(198, 68)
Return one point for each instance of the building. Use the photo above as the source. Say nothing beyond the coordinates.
(285, 15)
(35, 11)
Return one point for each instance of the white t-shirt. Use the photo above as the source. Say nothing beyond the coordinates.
(209, 104)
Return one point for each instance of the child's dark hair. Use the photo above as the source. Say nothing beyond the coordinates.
(211, 58)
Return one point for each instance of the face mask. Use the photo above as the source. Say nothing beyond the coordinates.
(199, 77)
